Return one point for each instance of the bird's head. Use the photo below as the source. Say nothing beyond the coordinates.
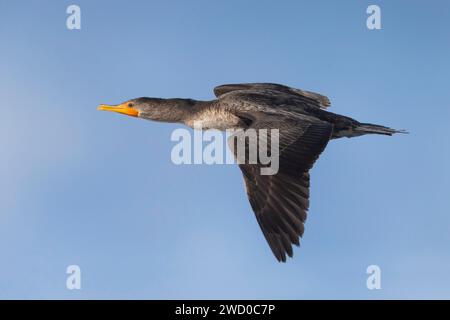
(166, 110)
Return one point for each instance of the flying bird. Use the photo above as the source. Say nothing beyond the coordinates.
(280, 201)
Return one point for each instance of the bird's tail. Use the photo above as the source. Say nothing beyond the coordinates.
(368, 128)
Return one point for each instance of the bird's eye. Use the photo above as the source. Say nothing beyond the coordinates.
(130, 105)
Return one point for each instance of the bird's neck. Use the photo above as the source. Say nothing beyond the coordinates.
(187, 109)
(176, 110)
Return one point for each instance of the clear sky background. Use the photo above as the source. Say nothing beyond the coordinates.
(99, 190)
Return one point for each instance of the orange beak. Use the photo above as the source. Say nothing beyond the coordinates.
(120, 108)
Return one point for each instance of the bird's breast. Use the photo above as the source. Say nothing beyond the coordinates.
(215, 119)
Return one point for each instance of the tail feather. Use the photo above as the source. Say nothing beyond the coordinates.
(368, 128)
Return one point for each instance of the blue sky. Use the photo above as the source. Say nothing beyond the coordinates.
(99, 190)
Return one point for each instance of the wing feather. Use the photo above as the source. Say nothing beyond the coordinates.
(316, 99)
(280, 201)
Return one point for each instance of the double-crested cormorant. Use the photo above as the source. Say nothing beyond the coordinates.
(280, 201)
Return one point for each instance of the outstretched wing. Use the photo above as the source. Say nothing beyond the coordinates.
(281, 201)
(313, 98)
